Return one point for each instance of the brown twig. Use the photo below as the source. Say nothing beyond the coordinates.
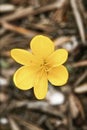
(78, 20)
(61, 40)
(81, 89)
(81, 78)
(80, 64)
(42, 106)
(30, 11)
(82, 9)
(28, 124)
(17, 29)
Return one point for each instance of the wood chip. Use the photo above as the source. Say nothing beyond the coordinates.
(4, 8)
(81, 89)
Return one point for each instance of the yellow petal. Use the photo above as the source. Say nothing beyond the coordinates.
(58, 57)
(41, 86)
(42, 46)
(58, 75)
(22, 56)
(24, 77)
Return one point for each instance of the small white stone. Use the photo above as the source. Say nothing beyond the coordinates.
(55, 98)
(3, 81)
(3, 120)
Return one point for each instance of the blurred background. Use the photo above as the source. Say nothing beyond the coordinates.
(65, 22)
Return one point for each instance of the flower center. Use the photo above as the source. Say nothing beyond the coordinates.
(45, 66)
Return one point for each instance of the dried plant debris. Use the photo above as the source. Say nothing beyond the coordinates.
(81, 89)
(65, 22)
(4, 8)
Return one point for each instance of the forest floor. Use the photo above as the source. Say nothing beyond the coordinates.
(65, 22)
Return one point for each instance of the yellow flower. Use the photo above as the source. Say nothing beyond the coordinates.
(41, 65)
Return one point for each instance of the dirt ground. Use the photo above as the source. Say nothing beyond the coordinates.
(65, 22)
